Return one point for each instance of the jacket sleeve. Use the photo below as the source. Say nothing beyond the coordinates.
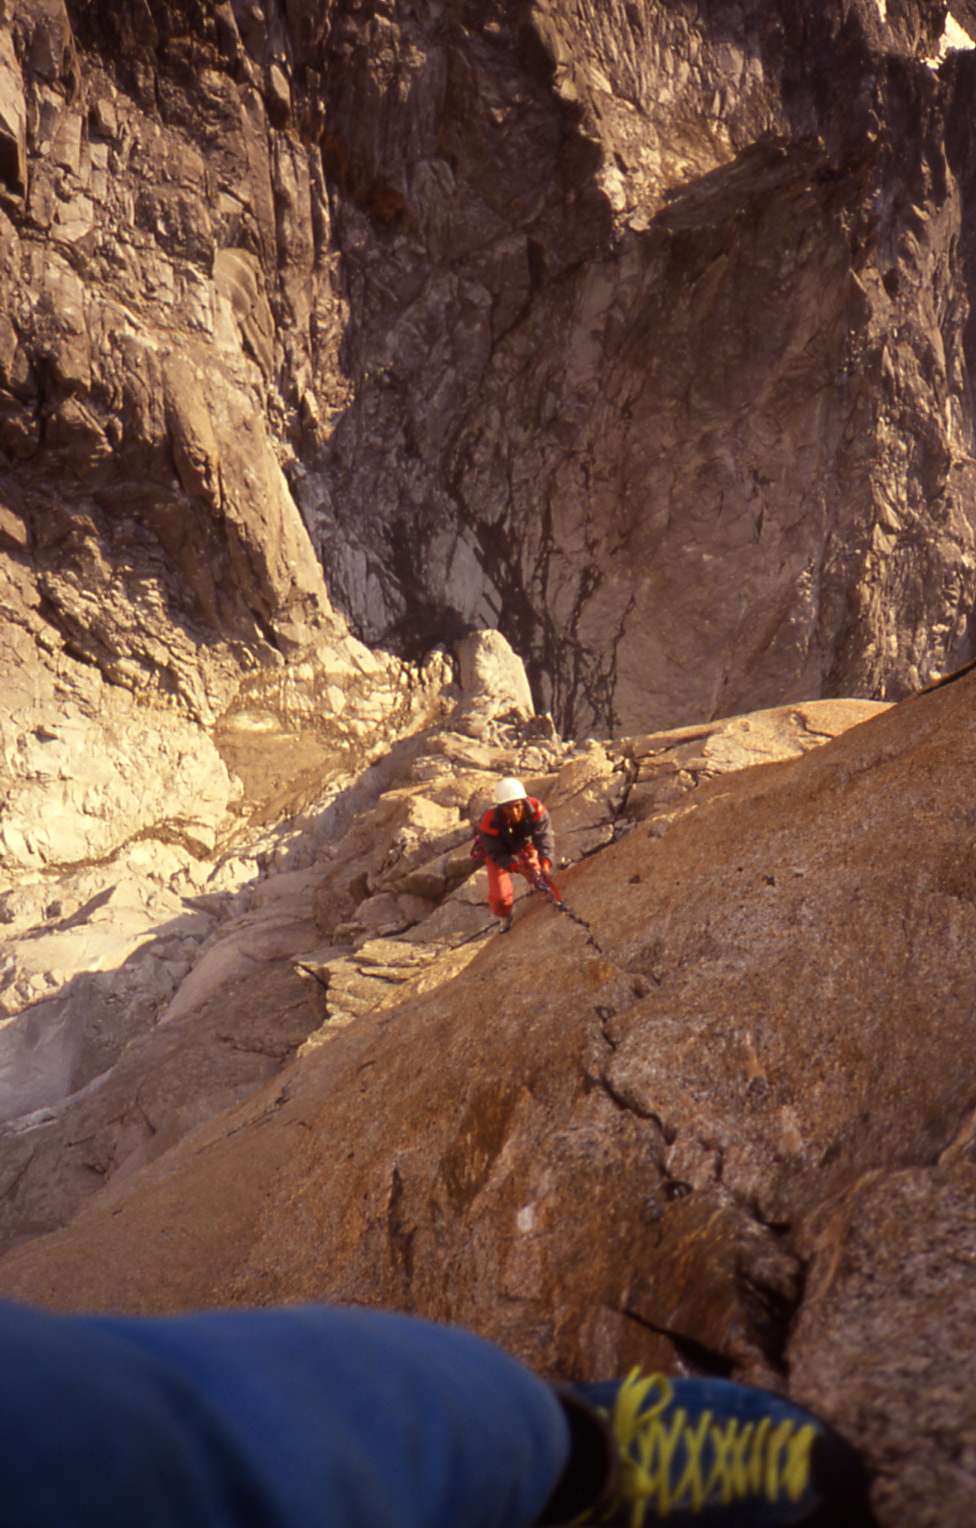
(310, 1417)
(542, 834)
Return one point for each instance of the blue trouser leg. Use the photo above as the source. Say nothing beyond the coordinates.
(312, 1417)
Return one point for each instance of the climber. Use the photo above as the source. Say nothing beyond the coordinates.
(514, 834)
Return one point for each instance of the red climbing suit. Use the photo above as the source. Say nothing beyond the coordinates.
(503, 843)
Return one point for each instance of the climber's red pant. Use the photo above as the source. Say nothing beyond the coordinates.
(500, 887)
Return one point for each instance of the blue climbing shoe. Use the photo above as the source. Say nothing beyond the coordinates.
(707, 1453)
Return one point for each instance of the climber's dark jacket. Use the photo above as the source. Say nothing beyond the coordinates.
(503, 842)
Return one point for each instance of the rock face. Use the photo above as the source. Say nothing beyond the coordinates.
(169, 998)
(728, 1124)
(130, 841)
(174, 677)
(658, 317)
(633, 339)
(639, 331)
(146, 988)
(451, 320)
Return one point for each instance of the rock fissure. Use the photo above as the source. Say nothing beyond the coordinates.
(774, 1311)
(697, 1356)
(253, 1123)
(400, 1232)
(631, 1106)
(147, 1120)
(613, 720)
(322, 978)
(605, 1015)
(232, 1042)
(10, 1188)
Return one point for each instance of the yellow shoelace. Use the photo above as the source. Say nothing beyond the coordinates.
(746, 1459)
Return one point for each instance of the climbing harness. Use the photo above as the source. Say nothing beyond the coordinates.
(539, 881)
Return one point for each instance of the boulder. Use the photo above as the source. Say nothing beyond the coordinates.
(492, 678)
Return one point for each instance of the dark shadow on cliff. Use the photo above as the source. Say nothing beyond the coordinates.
(514, 164)
(961, 155)
(863, 148)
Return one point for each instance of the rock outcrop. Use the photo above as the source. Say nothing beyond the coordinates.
(130, 840)
(659, 324)
(175, 679)
(637, 331)
(119, 968)
(172, 997)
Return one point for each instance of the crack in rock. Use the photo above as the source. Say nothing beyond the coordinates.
(699, 1358)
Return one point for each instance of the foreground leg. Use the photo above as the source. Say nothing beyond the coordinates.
(499, 890)
(319, 1417)
(305, 1418)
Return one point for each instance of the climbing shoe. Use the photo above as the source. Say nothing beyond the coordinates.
(505, 924)
(706, 1452)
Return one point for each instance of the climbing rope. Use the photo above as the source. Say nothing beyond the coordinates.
(542, 883)
(539, 882)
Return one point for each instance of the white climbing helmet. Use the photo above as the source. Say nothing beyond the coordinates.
(509, 790)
